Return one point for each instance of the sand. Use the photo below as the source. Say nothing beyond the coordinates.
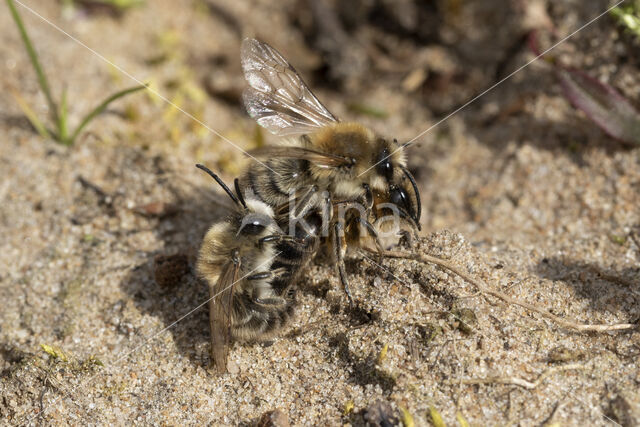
(519, 191)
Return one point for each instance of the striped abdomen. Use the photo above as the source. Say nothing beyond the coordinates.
(276, 179)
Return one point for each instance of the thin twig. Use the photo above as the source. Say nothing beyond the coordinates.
(634, 235)
(554, 411)
(482, 287)
(518, 381)
(104, 198)
(41, 400)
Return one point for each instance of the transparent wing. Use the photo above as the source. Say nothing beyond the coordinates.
(278, 99)
(220, 307)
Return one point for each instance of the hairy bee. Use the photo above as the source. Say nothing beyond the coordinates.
(250, 265)
(360, 170)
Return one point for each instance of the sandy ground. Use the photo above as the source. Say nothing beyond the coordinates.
(518, 190)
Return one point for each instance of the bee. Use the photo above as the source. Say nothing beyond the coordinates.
(250, 266)
(365, 174)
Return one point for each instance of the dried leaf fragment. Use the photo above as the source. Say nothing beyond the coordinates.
(436, 418)
(55, 352)
(275, 418)
(601, 103)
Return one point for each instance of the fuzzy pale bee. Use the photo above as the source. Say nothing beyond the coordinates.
(250, 265)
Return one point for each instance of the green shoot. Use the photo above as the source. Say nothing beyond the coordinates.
(62, 127)
(33, 56)
(31, 116)
(122, 4)
(629, 17)
(116, 7)
(367, 110)
(101, 107)
(59, 114)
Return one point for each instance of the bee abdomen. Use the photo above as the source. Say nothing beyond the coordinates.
(260, 320)
(255, 187)
(273, 182)
(274, 185)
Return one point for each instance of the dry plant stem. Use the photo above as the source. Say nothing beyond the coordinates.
(518, 381)
(635, 236)
(482, 287)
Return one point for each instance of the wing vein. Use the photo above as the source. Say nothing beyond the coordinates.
(278, 99)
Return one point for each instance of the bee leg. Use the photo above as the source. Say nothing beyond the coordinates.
(267, 274)
(304, 202)
(368, 196)
(339, 247)
(374, 234)
(415, 227)
(271, 301)
(235, 257)
(358, 203)
(268, 239)
(260, 276)
(408, 238)
(275, 238)
(301, 207)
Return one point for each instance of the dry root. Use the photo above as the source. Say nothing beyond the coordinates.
(518, 381)
(485, 290)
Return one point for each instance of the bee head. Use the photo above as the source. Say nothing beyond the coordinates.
(401, 188)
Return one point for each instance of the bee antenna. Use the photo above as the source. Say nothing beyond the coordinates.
(219, 181)
(236, 184)
(406, 145)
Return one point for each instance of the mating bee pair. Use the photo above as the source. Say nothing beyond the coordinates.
(329, 183)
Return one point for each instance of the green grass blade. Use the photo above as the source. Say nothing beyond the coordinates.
(63, 128)
(122, 4)
(31, 116)
(33, 56)
(100, 108)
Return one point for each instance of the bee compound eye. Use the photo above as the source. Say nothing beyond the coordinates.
(384, 166)
(399, 198)
(253, 228)
(253, 225)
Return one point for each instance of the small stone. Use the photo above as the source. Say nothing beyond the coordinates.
(232, 367)
(156, 209)
(464, 320)
(275, 418)
(380, 414)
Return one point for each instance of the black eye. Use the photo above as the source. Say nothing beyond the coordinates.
(385, 167)
(254, 223)
(252, 228)
(400, 198)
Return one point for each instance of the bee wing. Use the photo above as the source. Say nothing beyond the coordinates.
(220, 306)
(278, 98)
(287, 152)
